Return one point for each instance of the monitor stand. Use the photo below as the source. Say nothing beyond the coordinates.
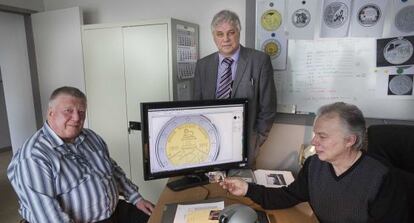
(188, 181)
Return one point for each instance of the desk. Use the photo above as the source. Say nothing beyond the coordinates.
(300, 213)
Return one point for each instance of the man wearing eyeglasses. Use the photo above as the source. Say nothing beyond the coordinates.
(63, 173)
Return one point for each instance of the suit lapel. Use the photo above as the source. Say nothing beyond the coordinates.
(241, 66)
(211, 78)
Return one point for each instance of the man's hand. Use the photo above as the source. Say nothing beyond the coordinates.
(235, 186)
(146, 206)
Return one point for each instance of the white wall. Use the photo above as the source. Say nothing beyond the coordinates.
(35, 5)
(58, 46)
(16, 78)
(197, 11)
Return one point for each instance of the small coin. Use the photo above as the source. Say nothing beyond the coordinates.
(369, 15)
(404, 19)
(301, 18)
(335, 14)
(271, 20)
(398, 51)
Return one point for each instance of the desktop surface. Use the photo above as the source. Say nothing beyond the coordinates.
(300, 213)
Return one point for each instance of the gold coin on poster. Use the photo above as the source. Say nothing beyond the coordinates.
(271, 47)
(271, 20)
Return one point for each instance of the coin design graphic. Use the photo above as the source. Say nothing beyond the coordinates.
(271, 20)
(398, 51)
(301, 18)
(401, 84)
(187, 140)
(404, 19)
(271, 47)
(369, 15)
(335, 14)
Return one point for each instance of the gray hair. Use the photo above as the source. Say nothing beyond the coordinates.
(66, 90)
(352, 118)
(225, 16)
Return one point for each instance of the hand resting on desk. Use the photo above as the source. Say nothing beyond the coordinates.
(146, 206)
(235, 186)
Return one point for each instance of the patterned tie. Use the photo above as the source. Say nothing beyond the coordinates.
(225, 80)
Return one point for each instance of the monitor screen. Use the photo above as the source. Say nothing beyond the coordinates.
(190, 137)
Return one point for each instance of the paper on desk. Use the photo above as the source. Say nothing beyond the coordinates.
(197, 213)
(273, 178)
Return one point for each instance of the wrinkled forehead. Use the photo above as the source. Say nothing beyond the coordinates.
(226, 25)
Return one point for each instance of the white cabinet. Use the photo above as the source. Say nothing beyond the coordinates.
(126, 64)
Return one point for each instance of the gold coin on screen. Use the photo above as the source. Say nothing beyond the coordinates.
(271, 20)
(188, 144)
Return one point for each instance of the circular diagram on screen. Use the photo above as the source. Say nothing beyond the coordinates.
(401, 84)
(398, 51)
(187, 140)
(271, 47)
(271, 20)
(404, 20)
(335, 14)
(369, 15)
(301, 18)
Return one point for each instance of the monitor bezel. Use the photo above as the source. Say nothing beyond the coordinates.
(145, 106)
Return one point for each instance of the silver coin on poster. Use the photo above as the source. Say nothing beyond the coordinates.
(335, 14)
(398, 51)
(187, 140)
(404, 19)
(369, 15)
(400, 84)
(301, 18)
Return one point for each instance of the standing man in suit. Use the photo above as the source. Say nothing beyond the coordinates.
(238, 72)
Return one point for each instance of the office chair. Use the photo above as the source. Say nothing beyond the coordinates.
(394, 145)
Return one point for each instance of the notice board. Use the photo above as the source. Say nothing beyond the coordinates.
(329, 70)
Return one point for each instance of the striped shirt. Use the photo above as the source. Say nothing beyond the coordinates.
(67, 182)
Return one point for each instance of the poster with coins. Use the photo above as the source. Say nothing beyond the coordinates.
(335, 18)
(368, 18)
(301, 18)
(270, 31)
(396, 51)
(395, 82)
(403, 20)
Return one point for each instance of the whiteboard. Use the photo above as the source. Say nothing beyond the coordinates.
(324, 71)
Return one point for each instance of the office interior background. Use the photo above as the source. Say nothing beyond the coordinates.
(21, 96)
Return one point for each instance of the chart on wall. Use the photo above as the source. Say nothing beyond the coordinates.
(329, 70)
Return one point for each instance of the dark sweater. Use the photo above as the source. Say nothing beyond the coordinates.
(366, 192)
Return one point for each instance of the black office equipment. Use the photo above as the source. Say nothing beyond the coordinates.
(190, 138)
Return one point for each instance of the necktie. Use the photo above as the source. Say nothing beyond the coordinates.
(225, 80)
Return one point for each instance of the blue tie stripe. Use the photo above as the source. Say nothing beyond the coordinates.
(225, 80)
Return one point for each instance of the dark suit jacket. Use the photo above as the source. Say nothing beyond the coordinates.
(253, 80)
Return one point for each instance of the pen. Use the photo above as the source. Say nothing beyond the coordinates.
(252, 81)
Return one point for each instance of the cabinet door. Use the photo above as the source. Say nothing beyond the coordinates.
(105, 88)
(147, 69)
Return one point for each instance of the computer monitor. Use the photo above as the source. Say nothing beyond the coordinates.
(190, 138)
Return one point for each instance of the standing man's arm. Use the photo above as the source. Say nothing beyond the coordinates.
(34, 182)
(267, 102)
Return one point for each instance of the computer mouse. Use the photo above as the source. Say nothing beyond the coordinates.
(238, 213)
